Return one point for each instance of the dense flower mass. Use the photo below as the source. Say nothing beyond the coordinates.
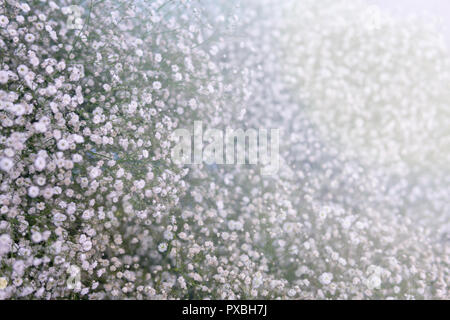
(92, 206)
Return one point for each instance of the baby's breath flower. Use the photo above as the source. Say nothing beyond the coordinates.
(326, 278)
(3, 21)
(162, 247)
(87, 181)
(6, 164)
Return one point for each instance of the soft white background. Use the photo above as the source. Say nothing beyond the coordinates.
(438, 8)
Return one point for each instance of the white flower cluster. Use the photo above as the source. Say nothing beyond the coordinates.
(88, 186)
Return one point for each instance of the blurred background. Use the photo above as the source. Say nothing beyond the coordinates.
(438, 8)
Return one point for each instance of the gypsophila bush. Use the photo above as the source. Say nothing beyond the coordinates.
(88, 108)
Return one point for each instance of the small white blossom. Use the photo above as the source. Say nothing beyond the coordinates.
(162, 247)
(326, 278)
(6, 164)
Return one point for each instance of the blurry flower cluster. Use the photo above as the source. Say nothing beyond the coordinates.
(93, 207)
